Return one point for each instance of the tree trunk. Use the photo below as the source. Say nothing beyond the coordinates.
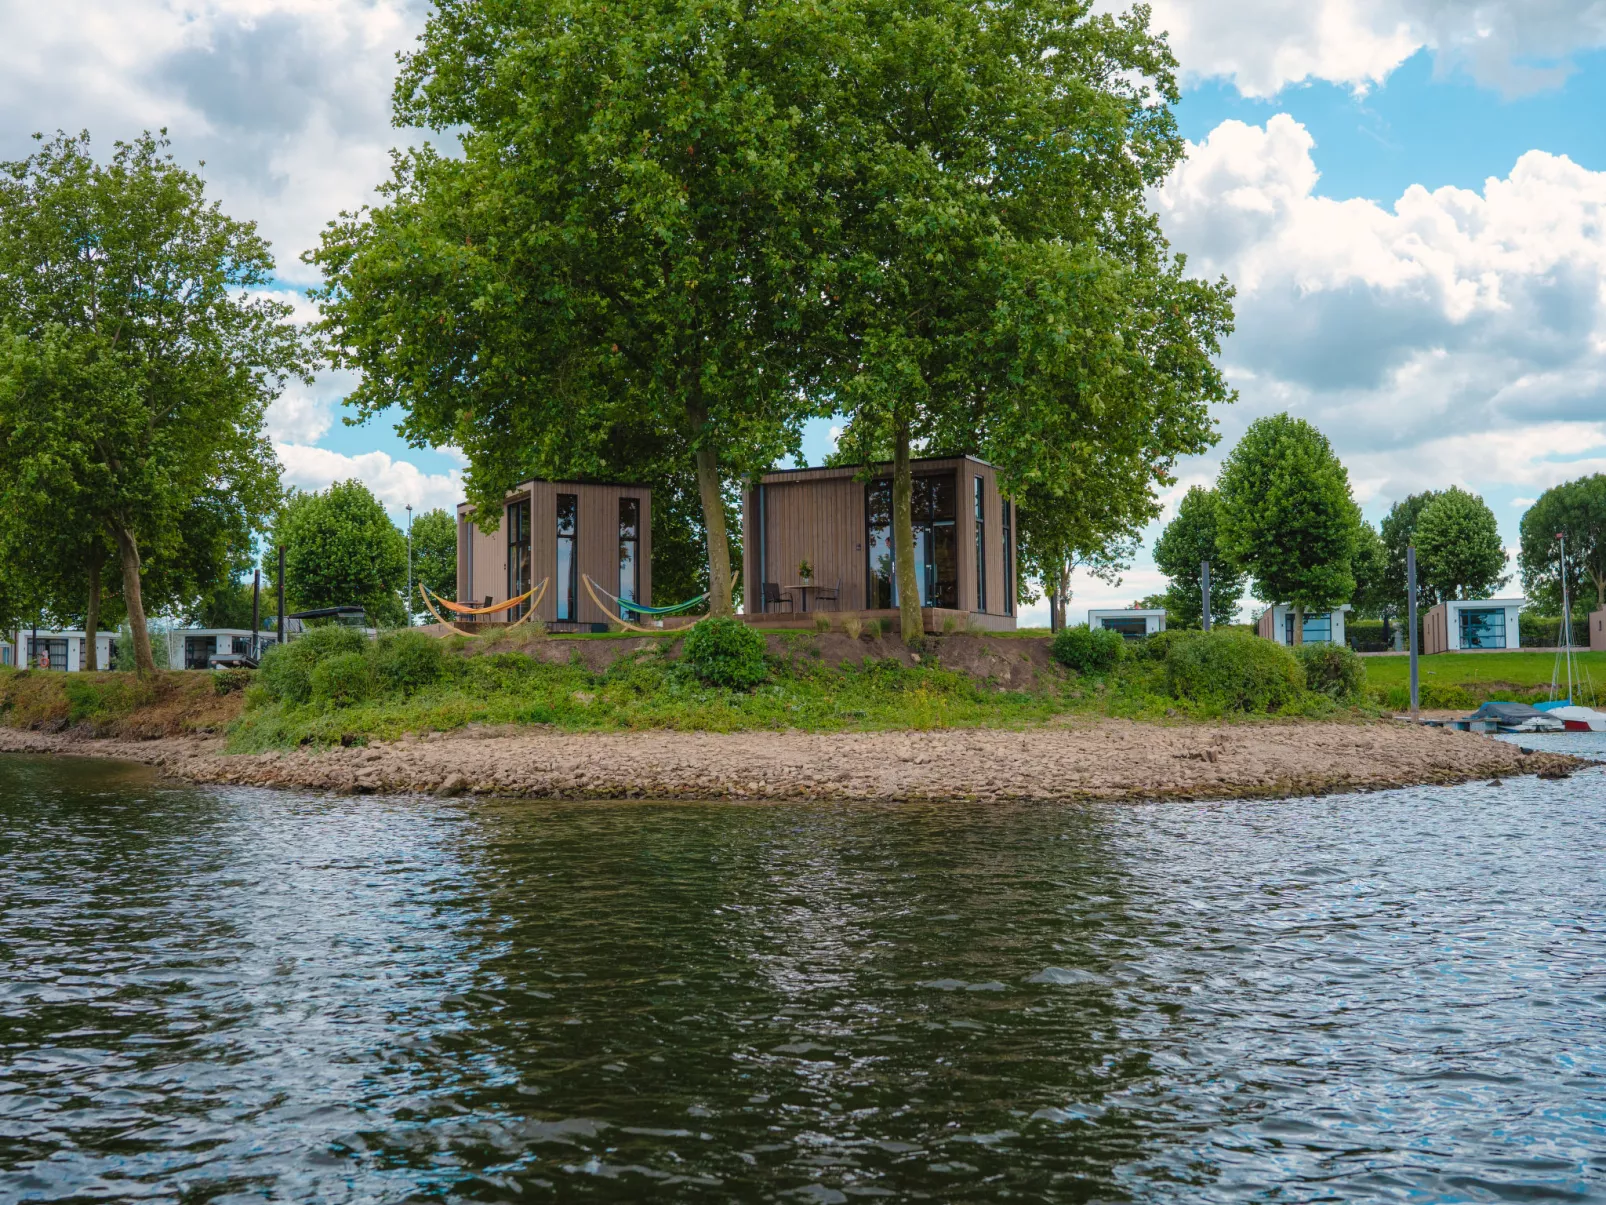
(718, 539)
(903, 537)
(92, 612)
(128, 553)
(1299, 624)
(1600, 590)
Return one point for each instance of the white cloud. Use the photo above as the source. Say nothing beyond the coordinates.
(394, 482)
(1457, 336)
(287, 101)
(1263, 46)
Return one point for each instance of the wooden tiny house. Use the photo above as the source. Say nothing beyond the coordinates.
(559, 530)
(841, 525)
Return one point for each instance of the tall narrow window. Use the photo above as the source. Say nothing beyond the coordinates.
(981, 547)
(518, 556)
(1009, 558)
(629, 551)
(936, 544)
(567, 578)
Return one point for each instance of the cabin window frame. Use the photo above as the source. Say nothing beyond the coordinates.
(1007, 534)
(519, 554)
(929, 525)
(979, 489)
(629, 553)
(568, 592)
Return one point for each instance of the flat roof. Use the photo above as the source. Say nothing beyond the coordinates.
(854, 469)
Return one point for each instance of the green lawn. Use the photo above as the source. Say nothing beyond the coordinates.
(1466, 679)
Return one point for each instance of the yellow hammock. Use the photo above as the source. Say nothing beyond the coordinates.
(539, 592)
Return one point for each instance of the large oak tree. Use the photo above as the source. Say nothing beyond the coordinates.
(135, 363)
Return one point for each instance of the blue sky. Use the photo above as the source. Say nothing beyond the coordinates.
(1409, 194)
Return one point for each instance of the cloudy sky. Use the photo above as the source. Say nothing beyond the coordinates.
(1409, 194)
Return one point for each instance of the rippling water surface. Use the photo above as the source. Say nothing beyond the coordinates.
(220, 995)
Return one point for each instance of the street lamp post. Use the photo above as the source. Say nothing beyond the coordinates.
(409, 564)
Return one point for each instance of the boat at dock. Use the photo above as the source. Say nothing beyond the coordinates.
(1511, 717)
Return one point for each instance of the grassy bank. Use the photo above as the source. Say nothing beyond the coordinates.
(338, 689)
(1465, 680)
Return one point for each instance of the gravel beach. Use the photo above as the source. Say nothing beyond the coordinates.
(1103, 759)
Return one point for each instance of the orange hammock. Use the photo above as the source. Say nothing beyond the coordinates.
(463, 609)
(425, 593)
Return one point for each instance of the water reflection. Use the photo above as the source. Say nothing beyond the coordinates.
(237, 994)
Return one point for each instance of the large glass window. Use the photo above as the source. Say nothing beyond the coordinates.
(1318, 629)
(198, 651)
(981, 545)
(49, 654)
(1483, 628)
(518, 556)
(934, 507)
(1131, 627)
(629, 551)
(567, 578)
(1009, 559)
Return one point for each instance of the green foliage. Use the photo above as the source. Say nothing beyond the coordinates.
(1578, 508)
(286, 670)
(1286, 515)
(434, 555)
(1233, 670)
(227, 681)
(1188, 540)
(342, 549)
(405, 663)
(1333, 670)
(1370, 565)
(1458, 548)
(342, 680)
(138, 354)
(723, 651)
(1398, 532)
(1088, 650)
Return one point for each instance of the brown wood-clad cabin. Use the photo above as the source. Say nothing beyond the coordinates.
(843, 528)
(559, 530)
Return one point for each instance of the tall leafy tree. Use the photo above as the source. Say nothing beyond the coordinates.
(1459, 553)
(1000, 285)
(628, 237)
(1286, 516)
(1398, 532)
(1369, 565)
(1190, 539)
(1059, 535)
(1577, 508)
(341, 549)
(135, 362)
(435, 553)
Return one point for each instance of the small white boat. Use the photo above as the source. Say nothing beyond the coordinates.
(1578, 719)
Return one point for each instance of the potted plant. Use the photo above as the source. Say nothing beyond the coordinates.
(805, 572)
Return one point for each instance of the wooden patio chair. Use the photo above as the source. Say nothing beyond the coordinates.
(774, 596)
(834, 597)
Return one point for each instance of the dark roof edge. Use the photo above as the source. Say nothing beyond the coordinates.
(829, 468)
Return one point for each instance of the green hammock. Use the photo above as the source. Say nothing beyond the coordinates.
(674, 610)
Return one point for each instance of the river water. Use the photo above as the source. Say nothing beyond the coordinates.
(239, 995)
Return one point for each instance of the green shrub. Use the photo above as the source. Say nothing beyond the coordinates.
(1158, 646)
(1332, 670)
(1088, 650)
(408, 662)
(286, 670)
(227, 681)
(342, 680)
(726, 652)
(1234, 671)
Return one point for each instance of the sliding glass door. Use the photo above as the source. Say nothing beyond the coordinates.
(934, 509)
(518, 556)
(567, 578)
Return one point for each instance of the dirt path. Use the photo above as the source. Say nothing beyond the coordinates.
(1108, 759)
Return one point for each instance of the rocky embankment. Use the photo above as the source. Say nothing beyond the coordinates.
(1107, 759)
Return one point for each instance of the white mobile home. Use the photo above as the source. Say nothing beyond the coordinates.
(1472, 624)
(64, 652)
(197, 648)
(8, 655)
(1321, 627)
(1132, 622)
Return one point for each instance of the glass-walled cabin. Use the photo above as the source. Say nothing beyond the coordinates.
(837, 524)
(561, 532)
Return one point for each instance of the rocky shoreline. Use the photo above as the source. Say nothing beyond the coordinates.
(1086, 760)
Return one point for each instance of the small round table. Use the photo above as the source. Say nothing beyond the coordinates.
(802, 591)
